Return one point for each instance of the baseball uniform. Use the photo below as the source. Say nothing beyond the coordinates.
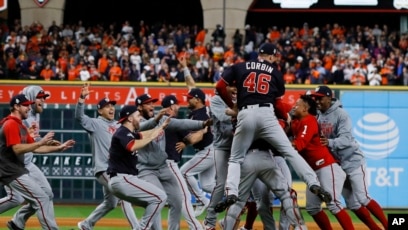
(336, 126)
(153, 167)
(13, 198)
(124, 180)
(100, 131)
(13, 172)
(202, 163)
(259, 83)
(306, 139)
(222, 141)
(259, 163)
(173, 159)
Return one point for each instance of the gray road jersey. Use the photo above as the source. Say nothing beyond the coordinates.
(100, 131)
(33, 118)
(336, 125)
(153, 155)
(222, 127)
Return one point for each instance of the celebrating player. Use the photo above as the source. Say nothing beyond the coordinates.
(124, 180)
(15, 142)
(259, 84)
(100, 130)
(335, 125)
(306, 140)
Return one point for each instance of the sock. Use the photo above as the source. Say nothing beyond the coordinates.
(344, 220)
(364, 215)
(251, 215)
(322, 220)
(377, 211)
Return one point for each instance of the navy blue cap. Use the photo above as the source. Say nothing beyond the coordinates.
(126, 111)
(196, 92)
(169, 100)
(322, 91)
(268, 48)
(144, 98)
(20, 99)
(102, 103)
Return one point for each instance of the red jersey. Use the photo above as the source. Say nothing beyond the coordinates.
(307, 140)
(12, 132)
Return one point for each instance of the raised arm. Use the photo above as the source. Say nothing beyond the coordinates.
(85, 121)
(187, 75)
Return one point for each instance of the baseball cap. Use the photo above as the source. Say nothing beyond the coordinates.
(20, 99)
(42, 94)
(169, 100)
(102, 103)
(268, 48)
(144, 98)
(126, 111)
(322, 91)
(196, 92)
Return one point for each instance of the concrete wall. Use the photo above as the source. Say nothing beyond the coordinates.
(231, 14)
(53, 10)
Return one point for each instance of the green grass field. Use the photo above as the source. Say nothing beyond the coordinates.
(82, 211)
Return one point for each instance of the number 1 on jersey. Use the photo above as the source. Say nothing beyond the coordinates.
(262, 84)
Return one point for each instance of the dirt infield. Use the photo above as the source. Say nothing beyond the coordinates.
(116, 222)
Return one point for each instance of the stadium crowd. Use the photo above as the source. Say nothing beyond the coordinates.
(331, 54)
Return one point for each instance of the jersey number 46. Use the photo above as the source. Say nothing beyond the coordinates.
(257, 84)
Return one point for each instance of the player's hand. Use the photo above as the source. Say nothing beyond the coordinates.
(165, 123)
(231, 112)
(48, 137)
(53, 143)
(208, 122)
(183, 60)
(66, 145)
(180, 146)
(159, 115)
(324, 141)
(85, 90)
(33, 131)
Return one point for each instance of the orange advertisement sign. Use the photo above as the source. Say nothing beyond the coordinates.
(124, 95)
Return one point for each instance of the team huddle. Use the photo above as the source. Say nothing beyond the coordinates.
(243, 143)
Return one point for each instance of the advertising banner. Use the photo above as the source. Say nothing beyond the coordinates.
(124, 95)
(381, 128)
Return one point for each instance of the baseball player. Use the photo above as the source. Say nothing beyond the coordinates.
(306, 140)
(15, 141)
(100, 132)
(335, 126)
(13, 199)
(152, 158)
(222, 141)
(202, 163)
(258, 84)
(259, 163)
(174, 149)
(123, 157)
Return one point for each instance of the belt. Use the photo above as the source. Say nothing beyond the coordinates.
(258, 149)
(255, 106)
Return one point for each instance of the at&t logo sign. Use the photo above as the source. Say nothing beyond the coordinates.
(377, 134)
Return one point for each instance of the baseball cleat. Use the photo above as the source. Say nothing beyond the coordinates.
(224, 204)
(82, 226)
(207, 227)
(321, 193)
(201, 208)
(12, 226)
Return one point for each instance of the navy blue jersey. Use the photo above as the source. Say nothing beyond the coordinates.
(257, 82)
(121, 160)
(202, 115)
(172, 137)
